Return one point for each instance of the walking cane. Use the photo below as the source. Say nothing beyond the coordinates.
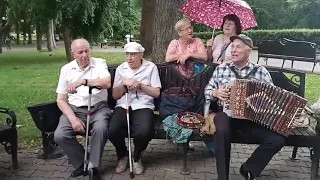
(86, 161)
(129, 135)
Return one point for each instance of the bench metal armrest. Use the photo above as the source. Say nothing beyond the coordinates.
(12, 120)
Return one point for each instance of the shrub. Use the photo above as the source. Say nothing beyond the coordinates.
(311, 35)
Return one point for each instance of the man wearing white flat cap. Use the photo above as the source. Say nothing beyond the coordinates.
(141, 77)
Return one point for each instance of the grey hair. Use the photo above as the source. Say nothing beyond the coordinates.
(181, 23)
(75, 43)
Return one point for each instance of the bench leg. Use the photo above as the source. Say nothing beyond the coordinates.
(185, 170)
(315, 155)
(14, 151)
(314, 65)
(266, 61)
(294, 153)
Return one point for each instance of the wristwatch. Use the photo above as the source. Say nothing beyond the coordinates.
(86, 82)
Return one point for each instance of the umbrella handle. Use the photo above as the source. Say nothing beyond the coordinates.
(213, 33)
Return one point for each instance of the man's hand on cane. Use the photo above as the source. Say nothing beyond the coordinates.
(131, 83)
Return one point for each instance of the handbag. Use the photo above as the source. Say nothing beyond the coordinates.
(172, 102)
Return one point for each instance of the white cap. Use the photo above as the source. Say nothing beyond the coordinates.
(133, 47)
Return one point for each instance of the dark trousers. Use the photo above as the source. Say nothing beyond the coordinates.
(270, 144)
(141, 122)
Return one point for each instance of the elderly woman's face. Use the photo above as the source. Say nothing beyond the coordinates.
(229, 27)
(134, 59)
(186, 31)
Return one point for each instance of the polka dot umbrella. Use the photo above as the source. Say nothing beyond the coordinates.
(211, 12)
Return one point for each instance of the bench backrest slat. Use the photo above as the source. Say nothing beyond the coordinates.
(299, 48)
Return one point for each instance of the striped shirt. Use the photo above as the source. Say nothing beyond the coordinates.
(223, 74)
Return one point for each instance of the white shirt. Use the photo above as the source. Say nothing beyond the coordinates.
(217, 46)
(147, 74)
(71, 72)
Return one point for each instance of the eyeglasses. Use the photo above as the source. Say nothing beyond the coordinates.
(187, 28)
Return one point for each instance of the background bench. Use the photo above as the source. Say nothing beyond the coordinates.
(288, 49)
(9, 136)
(295, 81)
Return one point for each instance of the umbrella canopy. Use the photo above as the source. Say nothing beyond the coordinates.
(211, 12)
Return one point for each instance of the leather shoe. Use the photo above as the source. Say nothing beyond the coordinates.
(95, 174)
(78, 172)
(244, 171)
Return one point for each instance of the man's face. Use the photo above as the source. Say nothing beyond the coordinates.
(82, 54)
(134, 59)
(240, 51)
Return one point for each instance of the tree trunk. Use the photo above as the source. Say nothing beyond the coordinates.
(24, 32)
(49, 37)
(167, 14)
(24, 37)
(146, 29)
(18, 32)
(29, 34)
(39, 37)
(66, 39)
(52, 32)
(1, 40)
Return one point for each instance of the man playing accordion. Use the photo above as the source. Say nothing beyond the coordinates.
(270, 142)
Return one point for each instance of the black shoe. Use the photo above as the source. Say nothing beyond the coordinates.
(245, 173)
(95, 174)
(79, 172)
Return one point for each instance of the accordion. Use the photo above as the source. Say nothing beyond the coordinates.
(265, 104)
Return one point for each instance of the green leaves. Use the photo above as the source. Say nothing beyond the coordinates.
(274, 14)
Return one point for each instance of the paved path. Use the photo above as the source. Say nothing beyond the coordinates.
(163, 161)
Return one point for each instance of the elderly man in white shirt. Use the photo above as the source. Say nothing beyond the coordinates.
(141, 77)
(73, 92)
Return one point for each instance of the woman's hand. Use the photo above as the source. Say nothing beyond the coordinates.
(183, 57)
(210, 43)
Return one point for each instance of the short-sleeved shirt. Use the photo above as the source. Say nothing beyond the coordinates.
(71, 72)
(218, 45)
(194, 46)
(147, 74)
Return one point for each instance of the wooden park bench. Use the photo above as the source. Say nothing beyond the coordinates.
(288, 49)
(301, 137)
(9, 136)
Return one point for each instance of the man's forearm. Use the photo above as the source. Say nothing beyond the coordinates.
(210, 94)
(118, 92)
(150, 91)
(66, 109)
(104, 83)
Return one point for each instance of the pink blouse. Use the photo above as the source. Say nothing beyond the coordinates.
(195, 46)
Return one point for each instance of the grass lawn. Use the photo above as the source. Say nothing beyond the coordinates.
(31, 77)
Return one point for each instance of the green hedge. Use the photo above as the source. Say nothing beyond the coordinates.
(311, 35)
